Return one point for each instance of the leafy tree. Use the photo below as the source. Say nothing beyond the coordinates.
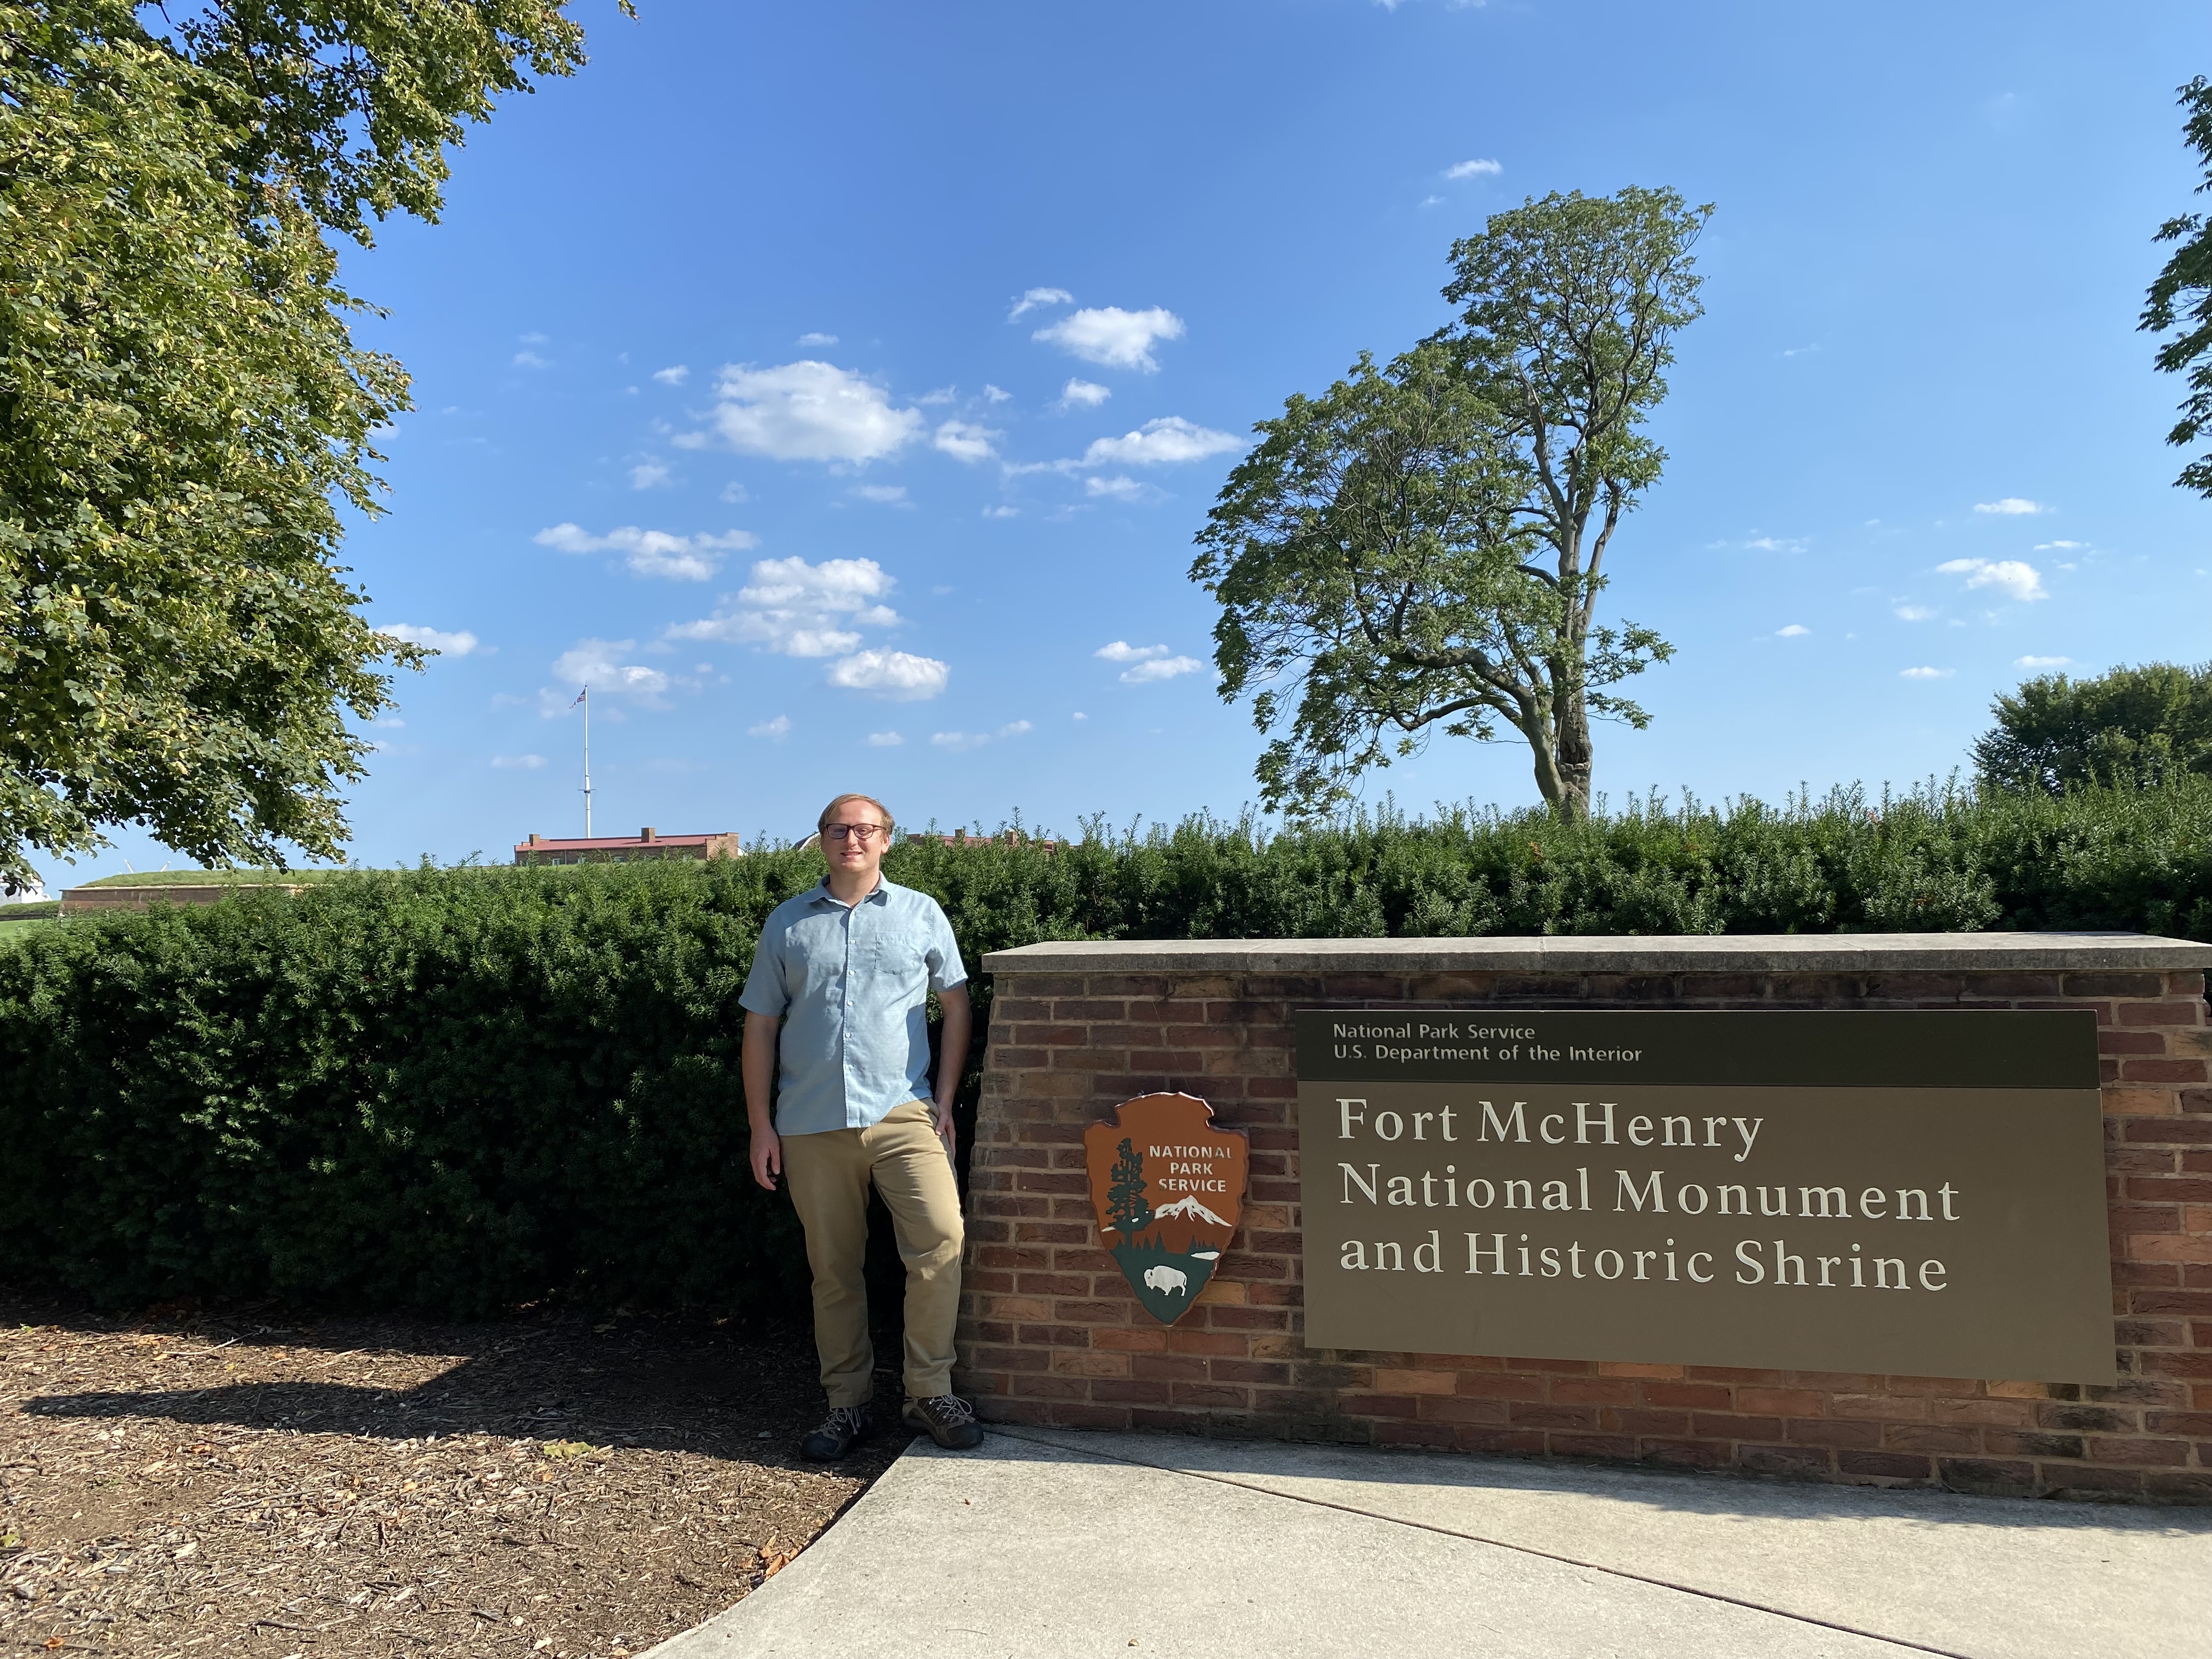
(2134, 726)
(185, 406)
(1125, 1191)
(1424, 545)
(2182, 297)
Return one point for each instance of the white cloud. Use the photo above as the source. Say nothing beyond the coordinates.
(1163, 442)
(800, 609)
(2043, 662)
(1800, 351)
(1112, 337)
(1089, 394)
(1432, 200)
(2010, 507)
(1033, 298)
(1002, 512)
(884, 494)
(1794, 631)
(674, 375)
(518, 762)
(1757, 543)
(647, 475)
(807, 412)
(815, 338)
(1080, 715)
(896, 674)
(530, 360)
(532, 339)
(1148, 662)
(958, 741)
(1160, 668)
(1912, 612)
(1122, 651)
(1925, 673)
(994, 394)
(2060, 547)
(652, 552)
(1474, 170)
(965, 442)
(2014, 578)
(735, 493)
(1167, 442)
(459, 643)
(779, 728)
(884, 740)
(597, 664)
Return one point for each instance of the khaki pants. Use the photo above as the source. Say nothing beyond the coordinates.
(829, 1175)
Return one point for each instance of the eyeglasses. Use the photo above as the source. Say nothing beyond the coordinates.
(863, 833)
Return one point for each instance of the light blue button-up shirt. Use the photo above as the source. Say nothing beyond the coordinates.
(851, 985)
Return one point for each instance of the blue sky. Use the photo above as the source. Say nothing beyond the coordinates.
(836, 387)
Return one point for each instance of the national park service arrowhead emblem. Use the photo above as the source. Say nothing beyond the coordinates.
(1168, 1188)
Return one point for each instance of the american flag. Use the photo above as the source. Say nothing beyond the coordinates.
(581, 695)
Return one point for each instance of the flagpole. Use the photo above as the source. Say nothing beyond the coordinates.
(586, 699)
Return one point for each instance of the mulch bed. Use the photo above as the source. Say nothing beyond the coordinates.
(263, 1484)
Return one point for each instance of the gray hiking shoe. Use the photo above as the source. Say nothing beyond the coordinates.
(840, 1431)
(946, 1418)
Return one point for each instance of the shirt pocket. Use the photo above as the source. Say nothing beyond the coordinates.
(888, 953)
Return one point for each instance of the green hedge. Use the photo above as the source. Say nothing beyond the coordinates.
(458, 1089)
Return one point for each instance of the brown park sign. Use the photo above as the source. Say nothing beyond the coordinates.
(1915, 1193)
(1168, 1188)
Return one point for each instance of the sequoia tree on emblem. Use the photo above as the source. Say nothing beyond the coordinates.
(1168, 1188)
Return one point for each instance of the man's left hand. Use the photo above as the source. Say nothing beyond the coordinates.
(944, 1130)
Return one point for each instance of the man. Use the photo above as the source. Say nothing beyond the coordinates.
(842, 978)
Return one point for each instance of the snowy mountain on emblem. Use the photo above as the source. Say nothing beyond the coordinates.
(1190, 1209)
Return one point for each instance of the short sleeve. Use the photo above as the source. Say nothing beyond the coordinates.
(765, 991)
(946, 968)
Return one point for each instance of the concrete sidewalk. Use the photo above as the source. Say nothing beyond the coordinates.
(1047, 1543)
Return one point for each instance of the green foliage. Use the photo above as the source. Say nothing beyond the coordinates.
(2132, 726)
(463, 1089)
(1366, 553)
(451, 1090)
(358, 99)
(1936, 860)
(2181, 297)
(1414, 550)
(185, 408)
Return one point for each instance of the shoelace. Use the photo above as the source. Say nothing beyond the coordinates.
(843, 1419)
(948, 1408)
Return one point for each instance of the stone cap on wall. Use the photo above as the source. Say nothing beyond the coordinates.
(1724, 953)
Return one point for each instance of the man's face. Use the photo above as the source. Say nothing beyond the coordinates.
(853, 840)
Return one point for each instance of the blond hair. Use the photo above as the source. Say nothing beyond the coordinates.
(830, 811)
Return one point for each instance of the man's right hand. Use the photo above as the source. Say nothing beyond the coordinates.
(768, 1156)
(757, 1064)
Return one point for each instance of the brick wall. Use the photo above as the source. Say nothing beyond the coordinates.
(1050, 1332)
